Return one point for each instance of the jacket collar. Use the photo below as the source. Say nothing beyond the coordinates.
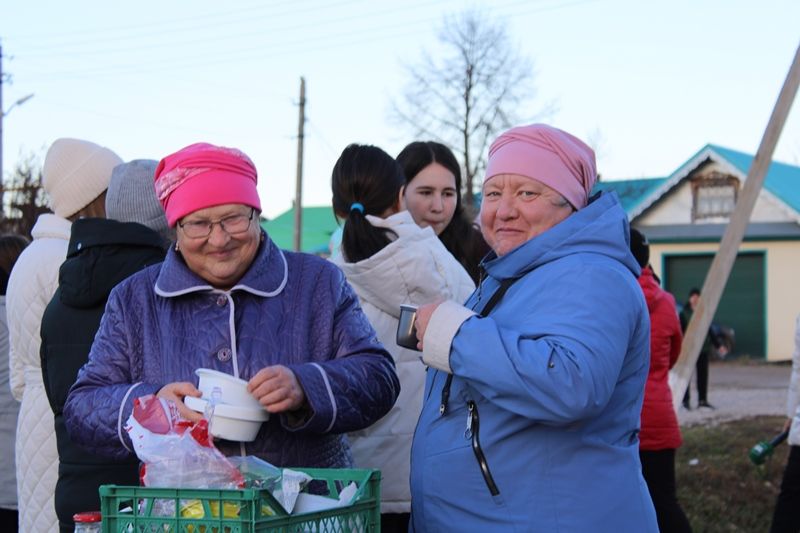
(51, 226)
(266, 276)
(89, 232)
(601, 227)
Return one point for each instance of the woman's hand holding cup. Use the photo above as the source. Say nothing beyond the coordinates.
(424, 313)
(277, 389)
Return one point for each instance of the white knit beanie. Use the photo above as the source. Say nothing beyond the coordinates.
(131, 195)
(75, 173)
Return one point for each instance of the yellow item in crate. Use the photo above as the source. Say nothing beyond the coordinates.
(194, 509)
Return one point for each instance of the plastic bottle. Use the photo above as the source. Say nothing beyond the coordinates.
(89, 522)
(762, 450)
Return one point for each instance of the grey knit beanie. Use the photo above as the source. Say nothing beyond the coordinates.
(131, 195)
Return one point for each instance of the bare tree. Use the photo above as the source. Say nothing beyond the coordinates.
(23, 198)
(466, 97)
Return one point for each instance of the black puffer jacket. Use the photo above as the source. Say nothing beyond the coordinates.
(101, 253)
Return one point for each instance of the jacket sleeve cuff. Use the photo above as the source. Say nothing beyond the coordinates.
(318, 414)
(126, 408)
(442, 327)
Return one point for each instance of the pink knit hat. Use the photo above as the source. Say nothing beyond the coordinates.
(203, 175)
(548, 155)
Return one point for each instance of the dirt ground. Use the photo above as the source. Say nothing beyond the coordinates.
(740, 389)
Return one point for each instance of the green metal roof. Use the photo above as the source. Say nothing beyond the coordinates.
(631, 192)
(318, 226)
(783, 180)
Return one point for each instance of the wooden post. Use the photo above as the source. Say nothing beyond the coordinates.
(721, 267)
(298, 194)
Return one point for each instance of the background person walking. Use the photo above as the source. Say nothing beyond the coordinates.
(701, 367)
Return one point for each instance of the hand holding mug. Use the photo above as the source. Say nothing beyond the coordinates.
(423, 317)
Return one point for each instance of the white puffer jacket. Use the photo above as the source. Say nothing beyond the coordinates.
(793, 399)
(33, 281)
(414, 269)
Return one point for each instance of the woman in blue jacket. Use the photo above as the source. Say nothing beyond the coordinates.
(535, 386)
(228, 299)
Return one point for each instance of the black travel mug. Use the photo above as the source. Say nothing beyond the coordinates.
(407, 327)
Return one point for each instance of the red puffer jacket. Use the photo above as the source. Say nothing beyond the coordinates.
(659, 423)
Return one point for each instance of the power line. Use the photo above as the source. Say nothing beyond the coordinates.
(264, 51)
(229, 57)
(100, 46)
(67, 48)
(173, 24)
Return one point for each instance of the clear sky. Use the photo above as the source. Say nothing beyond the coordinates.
(654, 81)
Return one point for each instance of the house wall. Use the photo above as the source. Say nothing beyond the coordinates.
(782, 286)
(678, 210)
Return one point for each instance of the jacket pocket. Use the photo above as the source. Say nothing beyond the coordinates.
(473, 431)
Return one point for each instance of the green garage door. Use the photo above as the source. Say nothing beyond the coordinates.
(742, 306)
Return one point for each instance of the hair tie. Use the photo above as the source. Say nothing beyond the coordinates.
(355, 206)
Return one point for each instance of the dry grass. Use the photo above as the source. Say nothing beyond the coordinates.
(725, 491)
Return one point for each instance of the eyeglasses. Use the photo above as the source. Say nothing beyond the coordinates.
(232, 225)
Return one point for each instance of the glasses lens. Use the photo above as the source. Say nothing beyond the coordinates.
(236, 223)
(196, 229)
(231, 225)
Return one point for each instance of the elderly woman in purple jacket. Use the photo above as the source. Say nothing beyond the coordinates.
(227, 298)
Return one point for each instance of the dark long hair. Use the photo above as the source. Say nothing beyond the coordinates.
(365, 175)
(11, 245)
(461, 237)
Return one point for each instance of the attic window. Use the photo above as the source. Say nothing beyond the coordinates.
(713, 195)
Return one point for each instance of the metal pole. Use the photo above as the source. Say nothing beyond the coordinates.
(721, 267)
(298, 194)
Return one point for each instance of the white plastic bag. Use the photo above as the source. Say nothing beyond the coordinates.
(177, 453)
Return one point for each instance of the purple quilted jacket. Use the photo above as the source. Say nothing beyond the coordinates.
(292, 309)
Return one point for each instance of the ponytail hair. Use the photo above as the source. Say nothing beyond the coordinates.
(365, 181)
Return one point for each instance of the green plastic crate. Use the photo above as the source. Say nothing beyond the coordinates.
(152, 510)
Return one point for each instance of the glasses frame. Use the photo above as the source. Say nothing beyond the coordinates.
(221, 223)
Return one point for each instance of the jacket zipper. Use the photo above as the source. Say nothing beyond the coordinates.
(473, 428)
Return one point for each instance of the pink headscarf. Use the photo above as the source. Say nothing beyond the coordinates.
(548, 155)
(203, 175)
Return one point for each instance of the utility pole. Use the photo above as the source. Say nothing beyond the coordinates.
(723, 261)
(298, 193)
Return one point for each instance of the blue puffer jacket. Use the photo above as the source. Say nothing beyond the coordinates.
(291, 309)
(539, 432)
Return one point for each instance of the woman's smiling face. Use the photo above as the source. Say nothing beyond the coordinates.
(515, 209)
(220, 258)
